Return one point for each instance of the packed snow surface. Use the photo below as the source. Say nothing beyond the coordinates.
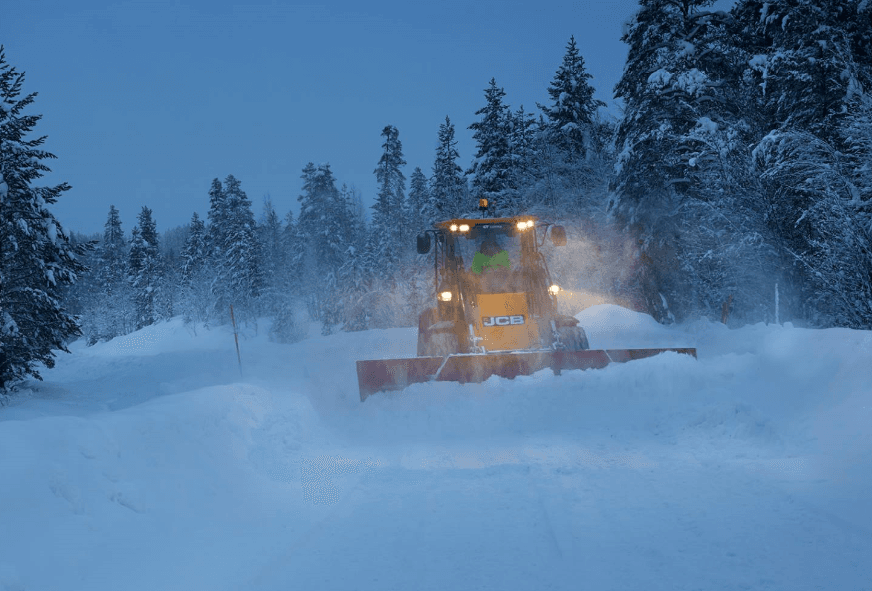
(153, 462)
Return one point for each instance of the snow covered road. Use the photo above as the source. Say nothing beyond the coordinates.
(149, 463)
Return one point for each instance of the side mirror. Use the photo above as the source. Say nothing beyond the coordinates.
(558, 235)
(423, 243)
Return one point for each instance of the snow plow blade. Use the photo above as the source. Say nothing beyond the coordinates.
(382, 375)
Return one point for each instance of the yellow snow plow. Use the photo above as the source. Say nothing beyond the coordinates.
(496, 311)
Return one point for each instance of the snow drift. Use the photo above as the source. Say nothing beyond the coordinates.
(152, 461)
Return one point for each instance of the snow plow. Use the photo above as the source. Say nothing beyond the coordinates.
(496, 311)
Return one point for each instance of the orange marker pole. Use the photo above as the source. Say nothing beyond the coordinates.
(236, 338)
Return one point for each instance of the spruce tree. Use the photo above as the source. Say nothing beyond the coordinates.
(491, 170)
(572, 107)
(286, 327)
(143, 269)
(218, 214)
(663, 87)
(36, 257)
(856, 137)
(522, 143)
(360, 284)
(153, 271)
(216, 240)
(419, 202)
(234, 252)
(194, 277)
(389, 223)
(114, 290)
(356, 229)
(194, 251)
(682, 185)
(810, 206)
(84, 299)
(135, 266)
(447, 183)
(241, 271)
(567, 168)
(803, 63)
(322, 226)
(860, 33)
(269, 232)
(811, 153)
(293, 250)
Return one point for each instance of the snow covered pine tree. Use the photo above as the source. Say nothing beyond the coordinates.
(572, 107)
(813, 157)
(491, 170)
(36, 257)
(195, 287)
(143, 269)
(390, 204)
(321, 229)
(114, 292)
(419, 201)
(682, 169)
(447, 186)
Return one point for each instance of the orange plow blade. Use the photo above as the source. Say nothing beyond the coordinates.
(381, 375)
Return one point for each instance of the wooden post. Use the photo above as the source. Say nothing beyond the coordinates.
(725, 311)
(236, 338)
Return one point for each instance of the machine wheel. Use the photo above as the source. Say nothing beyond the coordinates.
(573, 338)
(436, 343)
(441, 344)
(425, 320)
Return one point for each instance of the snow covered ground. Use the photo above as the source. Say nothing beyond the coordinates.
(151, 462)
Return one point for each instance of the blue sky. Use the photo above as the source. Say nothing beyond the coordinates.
(145, 102)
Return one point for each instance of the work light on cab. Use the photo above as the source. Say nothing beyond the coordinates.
(554, 289)
(445, 296)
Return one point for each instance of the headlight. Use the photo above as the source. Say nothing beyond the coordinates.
(554, 289)
(453, 227)
(525, 224)
(464, 227)
(445, 296)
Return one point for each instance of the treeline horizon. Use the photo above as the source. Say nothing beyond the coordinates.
(742, 161)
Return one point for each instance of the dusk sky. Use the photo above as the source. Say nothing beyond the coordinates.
(145, 102)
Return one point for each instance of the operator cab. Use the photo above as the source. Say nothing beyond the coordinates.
(491, 258)
(485, 256)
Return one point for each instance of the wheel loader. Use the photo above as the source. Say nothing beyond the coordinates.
(495, 312)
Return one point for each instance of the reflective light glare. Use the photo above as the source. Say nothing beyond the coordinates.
(445, 296)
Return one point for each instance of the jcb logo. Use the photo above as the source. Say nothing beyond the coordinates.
(502, 320)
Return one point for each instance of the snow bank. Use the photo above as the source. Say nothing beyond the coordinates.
(152, 462)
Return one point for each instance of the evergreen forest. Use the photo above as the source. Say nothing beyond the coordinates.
(738, 177)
